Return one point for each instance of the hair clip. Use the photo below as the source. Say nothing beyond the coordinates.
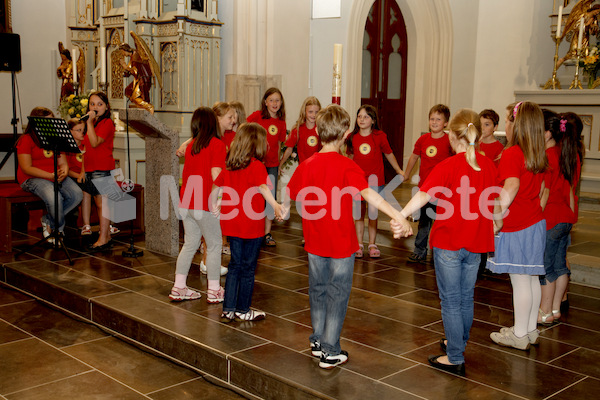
(471, 144)
(469, 124)
(563, 125)
(516, 109)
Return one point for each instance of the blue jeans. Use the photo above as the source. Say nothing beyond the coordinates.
(425, 222)
(69, 197)
(273, 173)
(456, 273)
(329, 284)
(555, 255)
(239, 284)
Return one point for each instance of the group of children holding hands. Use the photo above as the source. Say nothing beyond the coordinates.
(515, 204)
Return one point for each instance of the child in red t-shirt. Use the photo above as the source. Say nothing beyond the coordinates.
(432, 148)
(271, 116)
(304, 133)
(489, 145)
(98, 143)
(325, 185)
(366, 145)
(242, 217)
(520, 243)
(204, 160)
(76, 168)
(558, 204)
(462, 231)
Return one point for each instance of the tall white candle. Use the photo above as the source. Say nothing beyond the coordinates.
(559, 22)
(337, 70)
(74, 63)
(581, 28)
(103, 64)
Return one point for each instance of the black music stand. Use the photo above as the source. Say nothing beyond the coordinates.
(53, 134)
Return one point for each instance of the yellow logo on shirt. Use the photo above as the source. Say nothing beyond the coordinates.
(79, 157)
(312, 141)
(431, 151)
(48, 153)
(273, 130)
(365, 148)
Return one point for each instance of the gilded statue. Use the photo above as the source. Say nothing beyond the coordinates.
(142, 66)
(65, 70)
(571, 31)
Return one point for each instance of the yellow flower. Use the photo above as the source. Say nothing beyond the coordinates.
(71, 97)
(84, 102)
(71, 110)
(78, 115)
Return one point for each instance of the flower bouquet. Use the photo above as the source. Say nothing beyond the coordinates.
(591, 65)
(74, 106)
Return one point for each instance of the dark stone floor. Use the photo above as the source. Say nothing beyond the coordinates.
(393, 324)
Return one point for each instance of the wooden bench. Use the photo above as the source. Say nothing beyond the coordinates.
(11, 193)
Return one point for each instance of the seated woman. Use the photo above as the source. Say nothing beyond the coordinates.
(36, 175)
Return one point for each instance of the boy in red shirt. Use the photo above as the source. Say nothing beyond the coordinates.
(325, 185)
(489, 145)
(432, 148)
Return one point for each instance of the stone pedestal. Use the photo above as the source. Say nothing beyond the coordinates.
(161, 144)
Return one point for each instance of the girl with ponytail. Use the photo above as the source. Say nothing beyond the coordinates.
(521, 238)
(461, 232)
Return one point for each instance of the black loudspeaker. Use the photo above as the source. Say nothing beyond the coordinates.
(10, 56)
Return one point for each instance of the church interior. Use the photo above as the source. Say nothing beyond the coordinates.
(100, 324)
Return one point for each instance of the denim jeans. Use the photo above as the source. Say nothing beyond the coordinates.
(273, 173)
(239, 284)
(425, 222)
(456, 273)
(555, 255)
(329, 284)
(69, 197)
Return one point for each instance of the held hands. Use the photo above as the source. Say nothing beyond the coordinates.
(400, 228)
(280, 212)
(63, 172)
(81, 177)
(498, 224)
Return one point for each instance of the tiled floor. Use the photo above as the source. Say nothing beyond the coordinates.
(393, 324)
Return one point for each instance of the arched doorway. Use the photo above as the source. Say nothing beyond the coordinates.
(384, 71)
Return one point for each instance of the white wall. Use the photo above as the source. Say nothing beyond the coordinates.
(509, 50)
(41, 25)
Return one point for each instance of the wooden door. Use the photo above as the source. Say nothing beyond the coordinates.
(384, 72)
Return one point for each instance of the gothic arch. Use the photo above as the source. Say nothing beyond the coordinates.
(429, 59)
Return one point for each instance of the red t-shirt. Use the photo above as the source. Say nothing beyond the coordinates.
(243, 216)
(460, 222)
(558, 207)
(42, 159)
(100, 158)
(432, 152)
(525, 209)
(276, 132)
(308, 141)
(492, 151)
(196, 174)
(75, 160)
(368, 152)
(331, 181)
(228, 138)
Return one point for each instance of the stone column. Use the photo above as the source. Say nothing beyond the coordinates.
(161, 144)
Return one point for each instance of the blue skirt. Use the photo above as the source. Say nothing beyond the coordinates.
(520, 252)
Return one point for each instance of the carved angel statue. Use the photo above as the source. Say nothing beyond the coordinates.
(65, 70)
(571, 31)
(142, 66)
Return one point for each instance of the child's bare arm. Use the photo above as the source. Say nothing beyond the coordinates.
(279, 210)
(394, 163)
(411, 164)
(181, 150)
(286, 155)
(372, 197)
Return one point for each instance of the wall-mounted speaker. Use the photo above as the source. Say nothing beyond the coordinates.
(10, 56)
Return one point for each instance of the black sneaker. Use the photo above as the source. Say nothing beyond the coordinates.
(329, 362)
(415, 258)
(315, 349)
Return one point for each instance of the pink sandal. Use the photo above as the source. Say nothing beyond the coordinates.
(359, 253)
(374, 251)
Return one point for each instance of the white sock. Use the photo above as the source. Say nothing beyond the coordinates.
(213, 284)
(180, 281)
(526, 302)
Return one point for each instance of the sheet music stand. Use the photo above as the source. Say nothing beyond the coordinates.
(53, 134)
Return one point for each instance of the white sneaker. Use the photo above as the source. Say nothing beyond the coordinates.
(204, 270)
(508, 338)
(534, 335)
